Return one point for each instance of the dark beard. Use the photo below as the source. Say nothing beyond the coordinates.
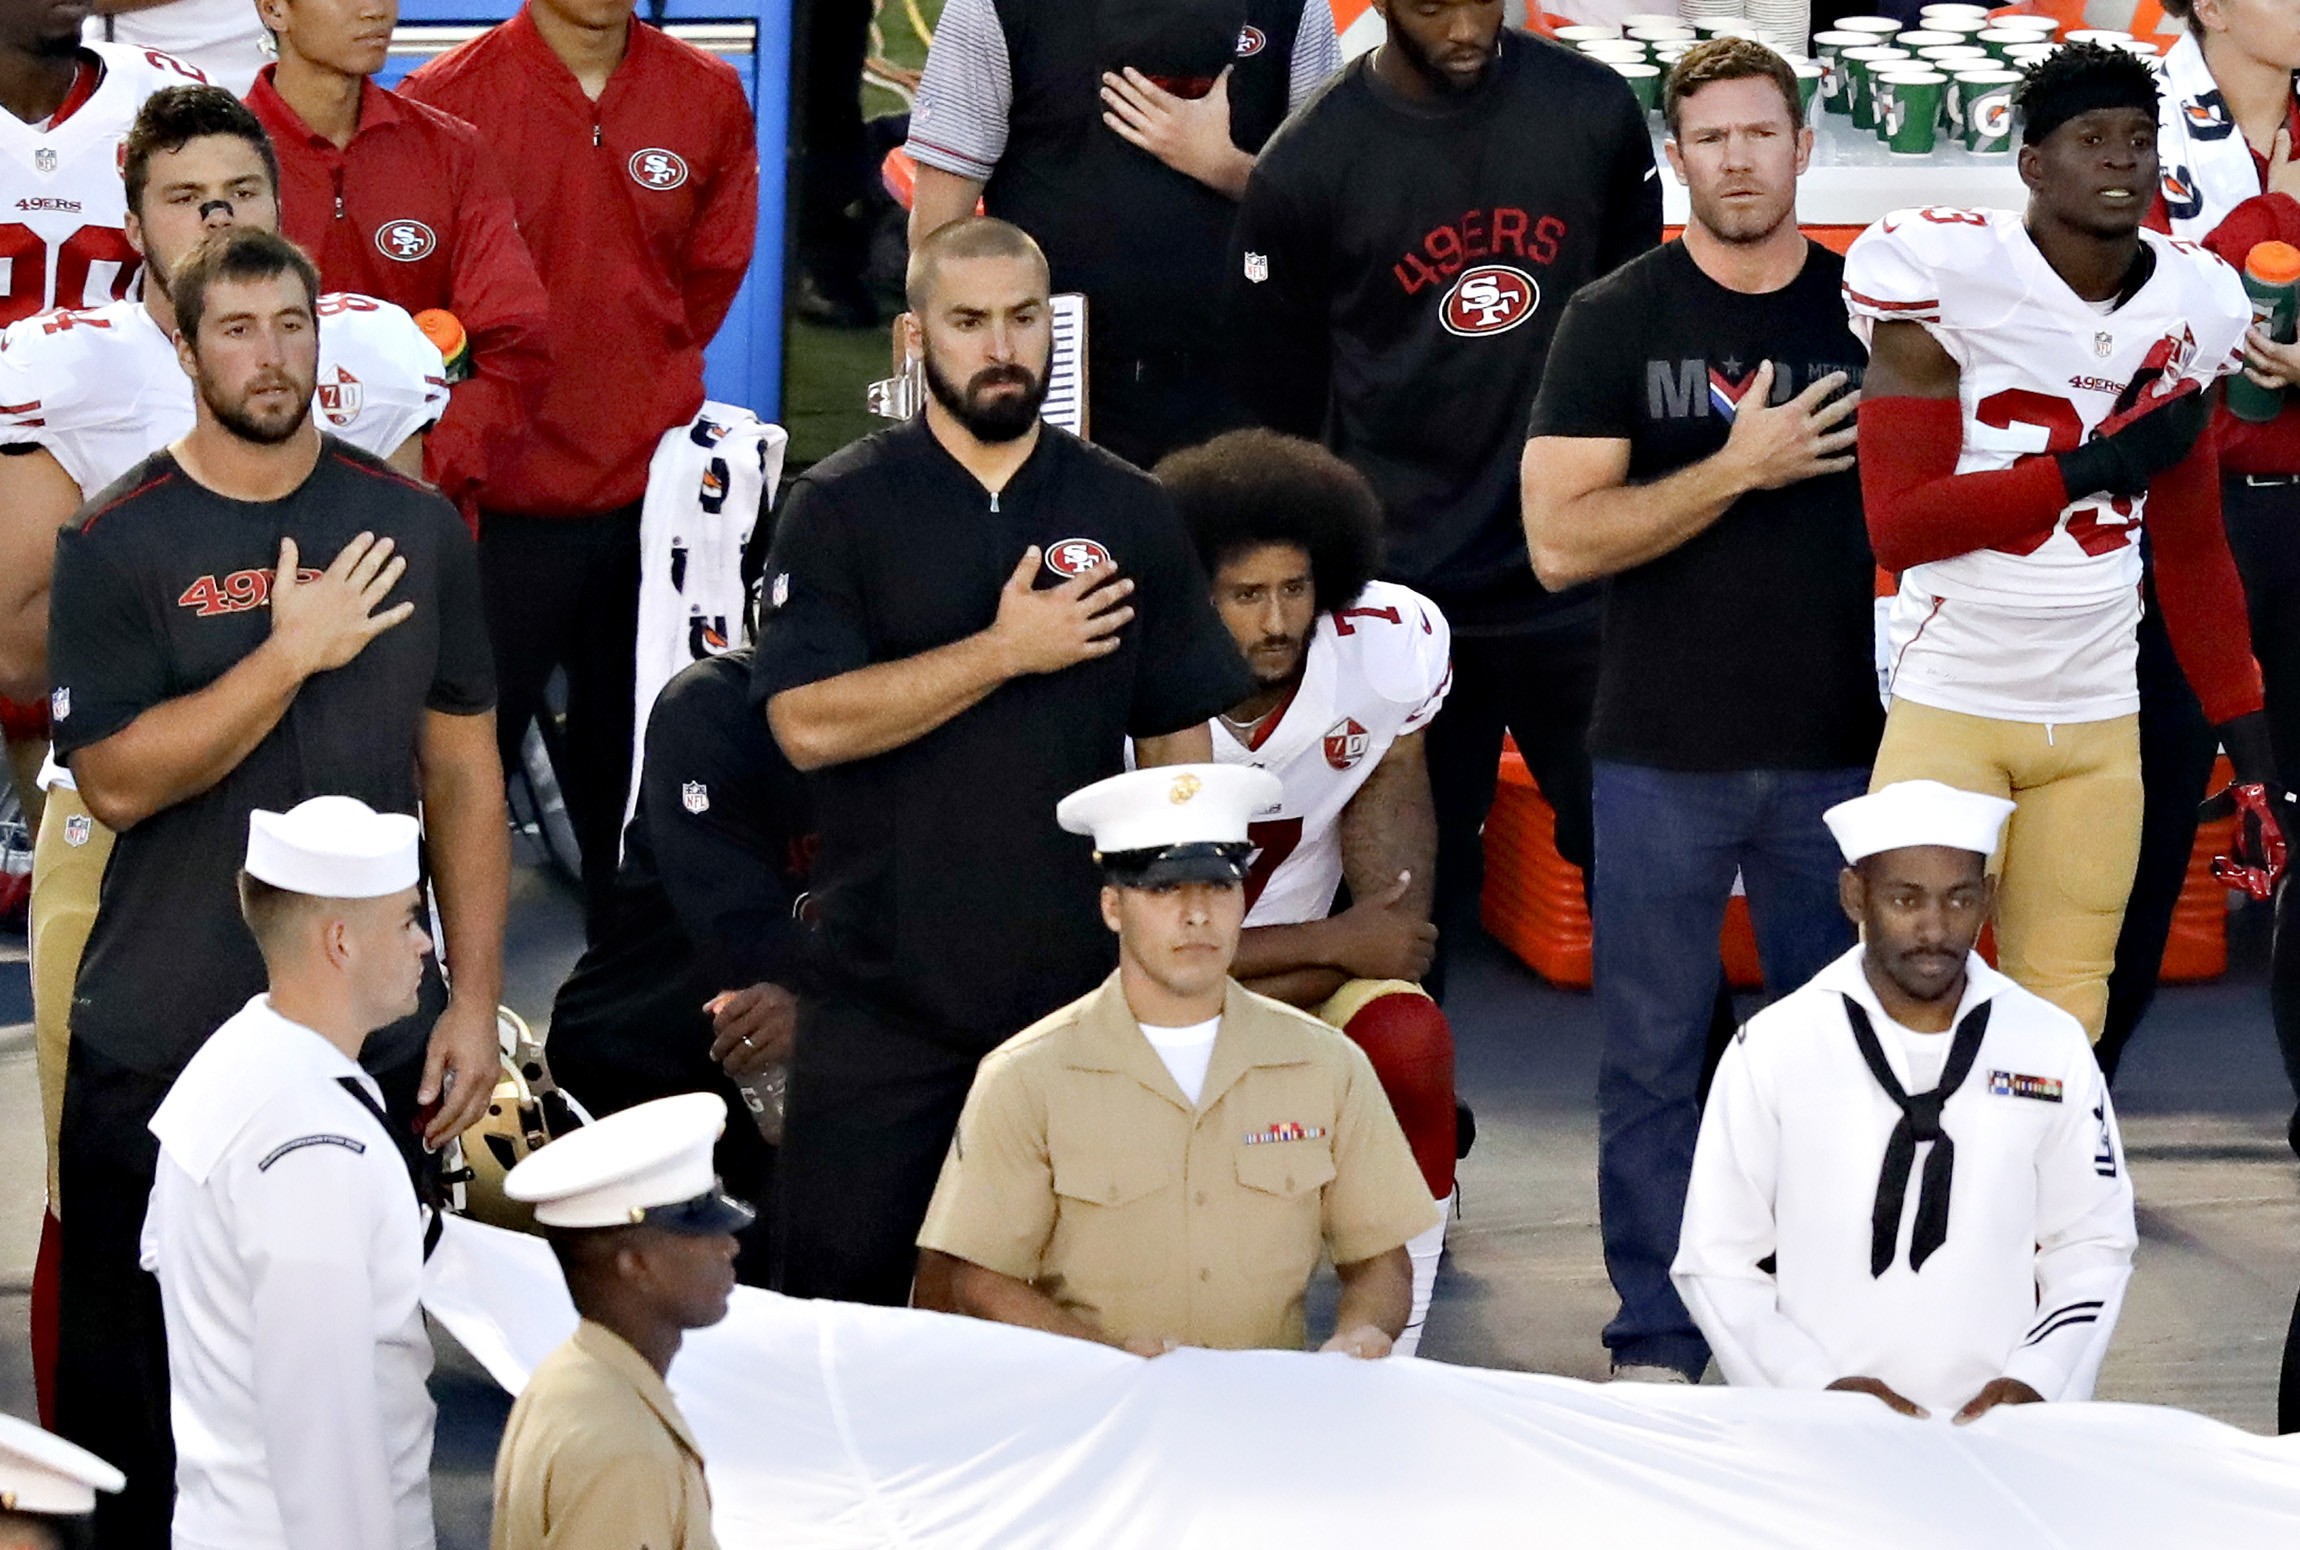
(1007, 418)
(247, 427)
(1439, 83)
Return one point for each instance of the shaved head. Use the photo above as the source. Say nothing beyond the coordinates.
(973, 236)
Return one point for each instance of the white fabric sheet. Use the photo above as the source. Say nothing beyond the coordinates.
(830, 1426)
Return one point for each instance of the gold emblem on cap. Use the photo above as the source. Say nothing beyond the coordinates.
(1184, 788)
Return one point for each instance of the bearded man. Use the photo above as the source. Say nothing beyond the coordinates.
(964, 618)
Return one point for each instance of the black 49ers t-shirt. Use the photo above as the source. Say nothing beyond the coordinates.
(162, 587)
(1751, 645)
(1396, 271)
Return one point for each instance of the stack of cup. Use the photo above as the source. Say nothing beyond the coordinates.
(1826, 47)
(1810, 74)
(1861, 65)
(1784, 25)
(1908, 108)
(1704, 15)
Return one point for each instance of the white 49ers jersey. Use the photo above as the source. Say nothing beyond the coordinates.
(2041, 370)
(1375, 671)
(101, 389)
(62, 204)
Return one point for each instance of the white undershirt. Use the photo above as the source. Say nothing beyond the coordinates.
(1186, 1051)
(1926, 1053)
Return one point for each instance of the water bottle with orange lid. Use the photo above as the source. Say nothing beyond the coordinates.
(2272, 280)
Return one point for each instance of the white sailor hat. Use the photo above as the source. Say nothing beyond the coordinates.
(41, 1473)
(1177, 823)
(333, 848)
(650, 1163)
(1917, 812)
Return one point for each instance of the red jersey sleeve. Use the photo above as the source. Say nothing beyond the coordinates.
(1920, 509)
(2197, 586)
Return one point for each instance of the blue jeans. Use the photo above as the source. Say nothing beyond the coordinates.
(1668, 844)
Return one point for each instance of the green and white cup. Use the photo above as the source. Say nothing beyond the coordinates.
(1909, 104)
(1999, 40)
(1580, 34)
(1809, 79)
(1653, 19)
(1985, 98)
(2027, 56)
(1617, 51)
(1949, 8)
(1965, 27)
(1914, 39)
(1860, 66)
(2112, 36)
(1827, 46)
(1649, 35)
(1644, 80)
(1879, 26)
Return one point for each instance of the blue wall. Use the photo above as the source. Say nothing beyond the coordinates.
(744, 365)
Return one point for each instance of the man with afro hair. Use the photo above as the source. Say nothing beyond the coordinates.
(1348, 671)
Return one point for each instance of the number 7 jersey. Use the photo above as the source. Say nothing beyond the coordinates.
(2042, 623)
(1375, 672)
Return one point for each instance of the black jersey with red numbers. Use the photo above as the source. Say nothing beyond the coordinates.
(1397, 270)
(163, 586)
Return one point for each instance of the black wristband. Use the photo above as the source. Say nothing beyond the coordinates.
(2098, 466)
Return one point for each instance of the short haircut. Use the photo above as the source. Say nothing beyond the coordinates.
(2076, 79)
(173, 117)
(973, 236)
(267, 909)
(236, 253)
(1247, 489)
(1726, 59)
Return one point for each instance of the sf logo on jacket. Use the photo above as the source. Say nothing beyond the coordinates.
(1490, 299)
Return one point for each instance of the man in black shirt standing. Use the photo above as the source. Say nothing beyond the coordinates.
(689, 987)
(201, 672)
(1406, 245)
(1693, 446)
(968, 615)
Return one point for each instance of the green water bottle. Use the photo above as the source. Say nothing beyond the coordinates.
(2272, 279)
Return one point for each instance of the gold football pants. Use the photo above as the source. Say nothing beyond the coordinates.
(67, 876)
(2065, 864)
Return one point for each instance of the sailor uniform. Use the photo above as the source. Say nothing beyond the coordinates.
(289, 1247)
(1804, 1257)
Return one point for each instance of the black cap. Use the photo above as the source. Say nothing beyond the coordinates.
(1199, 861)
(705, 1216)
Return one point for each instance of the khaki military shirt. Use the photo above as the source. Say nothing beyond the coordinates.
(597, 1457)
(1079, 1166)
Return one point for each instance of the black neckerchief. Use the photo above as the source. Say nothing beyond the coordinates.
(425, 1199)
(1920, 1121)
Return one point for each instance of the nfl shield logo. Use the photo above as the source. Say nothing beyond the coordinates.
(44, 160)
(1257, 267)
(2104, 345)
(78, 828)
(695, 797)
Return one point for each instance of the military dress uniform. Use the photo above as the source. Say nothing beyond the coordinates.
(1080, 1167)
(596, 1454)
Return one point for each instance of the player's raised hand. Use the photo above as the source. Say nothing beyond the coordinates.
(1779, 444)
(1377, 940)
(326, 621)
(1046, 631)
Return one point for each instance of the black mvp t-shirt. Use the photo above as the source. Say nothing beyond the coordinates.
(1750, 646)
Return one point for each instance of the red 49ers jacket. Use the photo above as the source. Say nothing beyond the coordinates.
(640, 209)
(413, 212)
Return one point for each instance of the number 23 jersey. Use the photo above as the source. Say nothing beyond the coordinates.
(2039, 628)
(1376, 671)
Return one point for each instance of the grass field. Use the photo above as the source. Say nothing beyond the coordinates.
(828, 368)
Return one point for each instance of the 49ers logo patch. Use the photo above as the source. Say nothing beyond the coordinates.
(1346, 743)
(1251, 41)
(405, 241)
(235, 594)
(1490, 299)
(658, 169)
(1075, 556)
(340, 399)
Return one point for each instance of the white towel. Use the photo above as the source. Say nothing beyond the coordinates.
(2206, 165)
(706, 486)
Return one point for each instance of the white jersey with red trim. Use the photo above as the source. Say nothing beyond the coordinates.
(102, 390)
(62, 204)
(2038, 629)
(1374, 672)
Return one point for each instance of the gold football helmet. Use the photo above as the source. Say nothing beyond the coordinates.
(526, 1111)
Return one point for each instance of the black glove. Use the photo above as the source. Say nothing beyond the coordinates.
(2260, 803)
(2122, 462)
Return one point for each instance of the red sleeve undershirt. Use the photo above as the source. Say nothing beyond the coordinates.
(1921, 509)
(2245, 447)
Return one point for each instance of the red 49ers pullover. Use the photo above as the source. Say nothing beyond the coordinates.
(639, 209)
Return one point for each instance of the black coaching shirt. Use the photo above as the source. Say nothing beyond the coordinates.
(162, 586)
(946, 891)
(1396, 272)
(1752, 644)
